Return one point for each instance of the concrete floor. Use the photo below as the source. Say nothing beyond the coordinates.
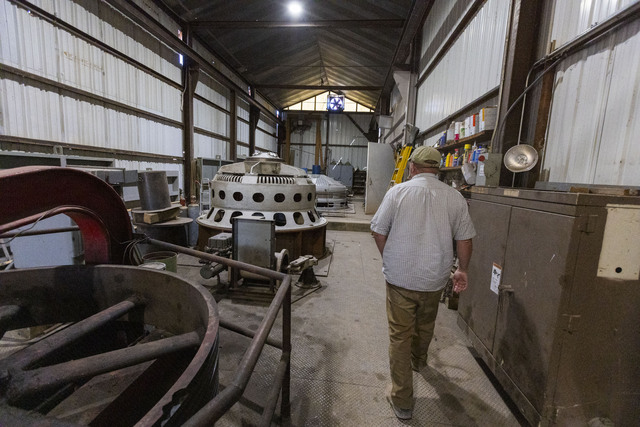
(339, 365)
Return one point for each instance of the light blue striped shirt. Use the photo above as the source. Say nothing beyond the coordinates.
(421, 218)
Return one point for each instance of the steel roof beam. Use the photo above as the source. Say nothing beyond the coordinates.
(316, 87)
(378, 24)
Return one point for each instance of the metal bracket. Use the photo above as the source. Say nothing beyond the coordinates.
(572, 322)
(588, 223)
(505, 288)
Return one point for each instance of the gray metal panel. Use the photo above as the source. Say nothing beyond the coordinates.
(341, 173)
(539, 262)
(380, 165)
(565, 345)
(254, 241)
(571, 18)
(478, 304)
(210, 118)
(442, 18)
(599, 368)
(208, 147)
(593, 130)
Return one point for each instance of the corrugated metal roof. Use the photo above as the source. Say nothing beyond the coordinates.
(336, 44)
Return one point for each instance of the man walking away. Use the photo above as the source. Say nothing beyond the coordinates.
(414, 229)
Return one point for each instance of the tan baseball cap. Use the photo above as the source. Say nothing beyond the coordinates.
(426, 156)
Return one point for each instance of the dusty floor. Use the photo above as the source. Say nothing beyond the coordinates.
(339, 366)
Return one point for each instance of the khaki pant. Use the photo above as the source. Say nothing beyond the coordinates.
(412, 318)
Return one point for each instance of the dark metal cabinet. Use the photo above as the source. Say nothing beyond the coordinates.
(561, 332)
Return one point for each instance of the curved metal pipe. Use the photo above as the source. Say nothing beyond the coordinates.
(217, 407)
(36, 192)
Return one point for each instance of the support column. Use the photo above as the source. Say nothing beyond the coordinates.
(287, 143)
(190, 73)
(518, 59)
(540, 129)
(326, 150)
(254, 117)
(318, 157)
(233, 127)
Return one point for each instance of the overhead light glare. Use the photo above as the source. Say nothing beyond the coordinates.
(295, 9)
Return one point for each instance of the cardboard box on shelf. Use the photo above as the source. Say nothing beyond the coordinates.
(487, 118)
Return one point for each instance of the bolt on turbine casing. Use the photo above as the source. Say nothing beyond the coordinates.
(264, 187)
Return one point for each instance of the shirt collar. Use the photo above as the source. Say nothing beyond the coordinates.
(424, 175)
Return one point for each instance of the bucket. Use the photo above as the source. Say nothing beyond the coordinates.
(316, 170)
(169, 259)
(154, 265)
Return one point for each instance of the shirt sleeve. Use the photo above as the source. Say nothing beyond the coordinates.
(464, 229)
(381, 221)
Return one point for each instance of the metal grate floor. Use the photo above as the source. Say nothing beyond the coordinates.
(339, 366)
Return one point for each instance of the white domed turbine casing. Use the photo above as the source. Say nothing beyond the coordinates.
(264, 187)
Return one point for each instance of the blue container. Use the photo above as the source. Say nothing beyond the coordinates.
(316, 170)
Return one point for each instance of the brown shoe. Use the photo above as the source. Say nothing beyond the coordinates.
(401, 414)
(417, 366)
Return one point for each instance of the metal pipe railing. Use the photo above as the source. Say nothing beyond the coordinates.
(274, 393)
(248, 333)
(39, 232)
(220, 404)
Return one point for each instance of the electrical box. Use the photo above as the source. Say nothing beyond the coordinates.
(554, 300)
(254, 241)
(488, 172)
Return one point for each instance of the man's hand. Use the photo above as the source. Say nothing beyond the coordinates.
(459, 281)
(464, 249)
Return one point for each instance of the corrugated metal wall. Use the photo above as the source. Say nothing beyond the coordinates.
(471, 67)
(266, 137)
(346, 142)
(211, 115)
(592, 134)
(571, 18)
(42, 111)
(343, 132)
(303, 145)
(242, 110)
(202, 51)
(127, 108)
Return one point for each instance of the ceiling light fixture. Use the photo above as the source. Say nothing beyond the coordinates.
(295, 9)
